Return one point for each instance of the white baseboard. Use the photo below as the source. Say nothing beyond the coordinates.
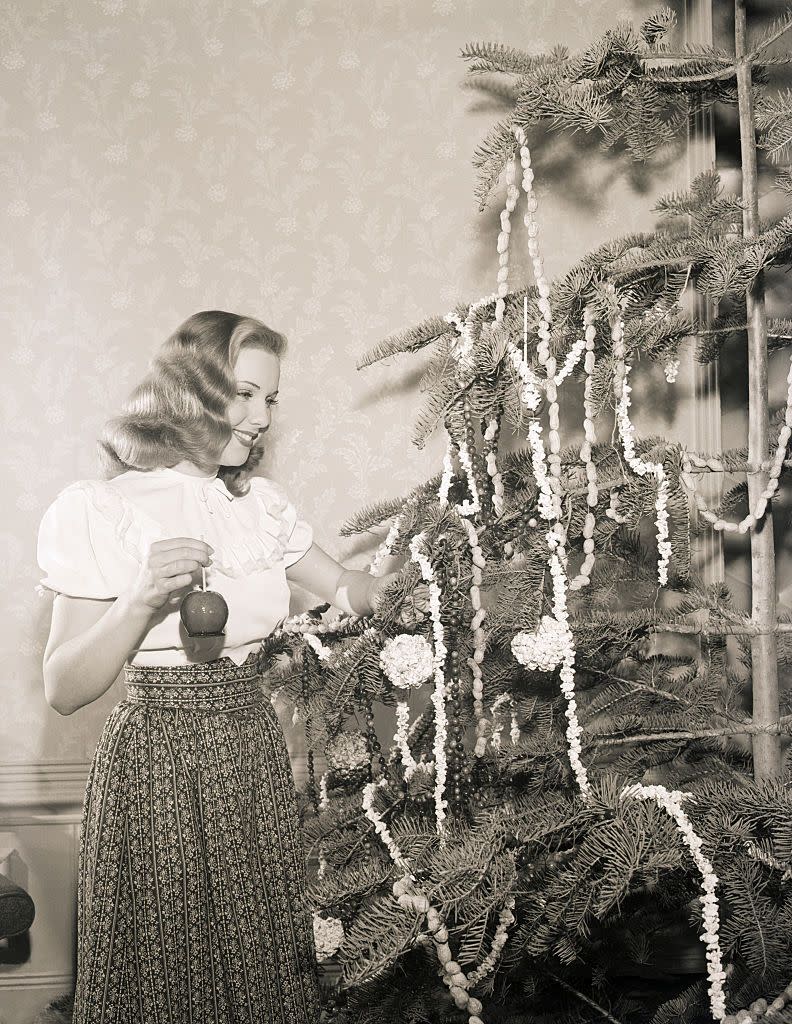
(49, 787)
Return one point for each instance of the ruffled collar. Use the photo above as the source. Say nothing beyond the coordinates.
(200, 482)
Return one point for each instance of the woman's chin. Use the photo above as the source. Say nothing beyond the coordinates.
(234, 456)
(237, 456)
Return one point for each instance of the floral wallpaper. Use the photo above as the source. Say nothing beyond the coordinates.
(307, 162)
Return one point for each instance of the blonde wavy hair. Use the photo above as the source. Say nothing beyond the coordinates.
(179, 411)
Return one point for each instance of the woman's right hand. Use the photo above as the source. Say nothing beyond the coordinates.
(169, 567)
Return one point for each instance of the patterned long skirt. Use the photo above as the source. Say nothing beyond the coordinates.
(191, 901)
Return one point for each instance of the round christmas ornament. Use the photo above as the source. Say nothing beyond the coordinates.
(407, 660)
(348, 758)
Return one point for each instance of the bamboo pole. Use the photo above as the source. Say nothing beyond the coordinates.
(764, 665)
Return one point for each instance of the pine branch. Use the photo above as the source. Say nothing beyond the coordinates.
(583, 998)
(507, 59)
(406, 341)
(668, 76)
(782, 727)
(779, 28)
(657, 25)
(779, 329)
(774, 124)
(690, 51)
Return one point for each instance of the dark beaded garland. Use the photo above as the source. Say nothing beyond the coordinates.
(313, 792)
(454, 745)
(479, 476)
(375, 748)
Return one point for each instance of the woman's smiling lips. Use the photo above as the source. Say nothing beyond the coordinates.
(245, 437)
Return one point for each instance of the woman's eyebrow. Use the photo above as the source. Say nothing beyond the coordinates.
(251, 383)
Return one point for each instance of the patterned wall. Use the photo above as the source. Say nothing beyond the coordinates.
(307, 162)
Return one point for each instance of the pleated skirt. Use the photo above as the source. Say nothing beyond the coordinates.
(191, 891)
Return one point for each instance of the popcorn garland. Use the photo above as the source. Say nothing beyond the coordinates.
(774, 468)
(547, 468)
(407, 660)
(316, 645)
(671, 369)
(567, 670)
(531, 206)
(379, 825)
(479, 614)
(324, 800)
(505, 919)
(384, 550)
(462, 352)
(402, 741)
(514, 731)
(671, 803)
(592, 489)
(439, 692)
(626, 432)
(328, 936)
(470, 506)
(512, 195)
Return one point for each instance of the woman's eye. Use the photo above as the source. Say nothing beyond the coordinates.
(272, 401)
(244, 394)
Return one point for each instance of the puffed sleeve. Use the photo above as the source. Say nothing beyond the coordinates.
(79, 549)
(295, 534)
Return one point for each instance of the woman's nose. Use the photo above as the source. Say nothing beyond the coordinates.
(260, 415)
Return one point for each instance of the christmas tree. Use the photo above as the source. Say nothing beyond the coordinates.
(562, 827)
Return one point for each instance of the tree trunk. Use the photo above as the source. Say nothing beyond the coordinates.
(764, 662)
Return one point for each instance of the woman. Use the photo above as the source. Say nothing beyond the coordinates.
(191, 904)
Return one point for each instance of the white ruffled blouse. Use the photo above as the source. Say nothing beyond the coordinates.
(96, 533)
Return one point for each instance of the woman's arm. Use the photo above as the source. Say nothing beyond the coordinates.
(89, 642)
(351, 590)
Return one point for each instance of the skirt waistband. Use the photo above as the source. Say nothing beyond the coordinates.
(215, 686)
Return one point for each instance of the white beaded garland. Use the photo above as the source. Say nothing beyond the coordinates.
(671, 803)
(772, 466)
(439, 692)
(626, 430)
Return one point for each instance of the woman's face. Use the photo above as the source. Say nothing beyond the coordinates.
(258, 373)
